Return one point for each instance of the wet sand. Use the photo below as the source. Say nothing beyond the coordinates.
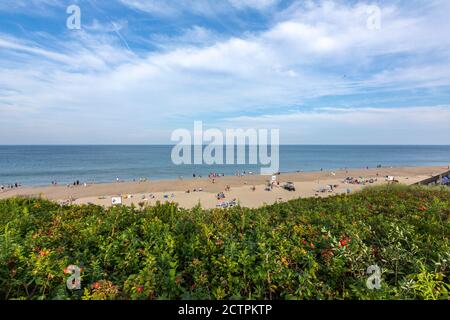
(307, 184)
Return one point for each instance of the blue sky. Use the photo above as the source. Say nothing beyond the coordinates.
(137, 70)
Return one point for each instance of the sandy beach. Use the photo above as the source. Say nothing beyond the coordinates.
(249, 191)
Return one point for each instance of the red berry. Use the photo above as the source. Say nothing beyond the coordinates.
(43, 253)
(343, 242)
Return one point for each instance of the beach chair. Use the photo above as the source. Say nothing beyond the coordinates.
(222, 205)
(233, 203)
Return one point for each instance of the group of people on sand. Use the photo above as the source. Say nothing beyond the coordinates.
(9, 186)
(225, 204)
(76, 183)
(215, 175)
(194, 190)
(243, 173)
(360, 180)
(210, 175)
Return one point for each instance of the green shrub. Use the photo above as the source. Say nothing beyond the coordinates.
(302, 249)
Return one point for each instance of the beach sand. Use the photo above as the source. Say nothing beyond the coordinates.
(306, 184)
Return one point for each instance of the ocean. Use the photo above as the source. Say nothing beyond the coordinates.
(40, 165)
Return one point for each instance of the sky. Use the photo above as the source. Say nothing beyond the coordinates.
(322, 72)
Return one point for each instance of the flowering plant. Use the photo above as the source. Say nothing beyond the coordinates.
(302, 249)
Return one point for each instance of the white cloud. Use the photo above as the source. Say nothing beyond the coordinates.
(167, 8)
(355, 116)
(12, 44)
(255, 4)
(412, 125)
(91, 77)
(31, 7)
(193, 36)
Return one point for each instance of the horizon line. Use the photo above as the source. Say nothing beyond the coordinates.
(206, 144)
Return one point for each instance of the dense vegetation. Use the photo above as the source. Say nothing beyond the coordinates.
(303, 249)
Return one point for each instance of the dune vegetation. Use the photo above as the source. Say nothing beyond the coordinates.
(302, 249)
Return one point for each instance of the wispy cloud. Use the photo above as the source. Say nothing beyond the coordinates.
(200, 7)
(412, 125)
(31, 7)
(308, 54)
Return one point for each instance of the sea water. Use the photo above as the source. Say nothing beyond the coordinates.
(40, 165)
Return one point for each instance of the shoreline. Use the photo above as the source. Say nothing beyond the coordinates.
(248, 191)
(205, 177)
